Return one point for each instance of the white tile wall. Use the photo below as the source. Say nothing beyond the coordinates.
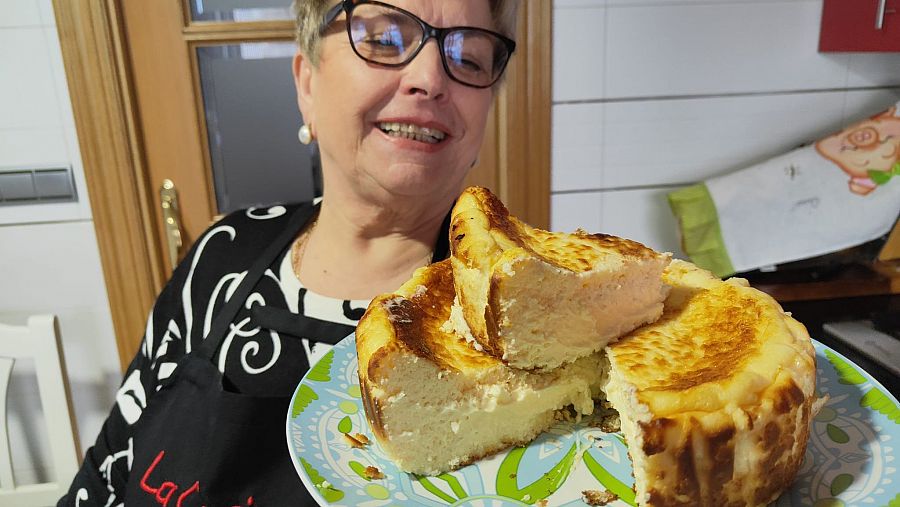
(60, 86)
(717, 48)
(27, 88)
(49, 261)
(640, 214)
(37, 128)
(679, 141)
(46, 8)
(874, 69)
(559, 5)
(579, 40)
(606, 145)
(860, 105)
(20, 13)
(19, 146)
(650, 95)
(575, 211)
(55, 267)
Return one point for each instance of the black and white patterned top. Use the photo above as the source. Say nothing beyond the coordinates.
(259, 355)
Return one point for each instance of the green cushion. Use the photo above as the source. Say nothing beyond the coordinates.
(701, 235)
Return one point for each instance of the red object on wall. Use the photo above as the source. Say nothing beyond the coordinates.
(860, 25)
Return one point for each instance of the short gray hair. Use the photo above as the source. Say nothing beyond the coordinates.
(308, 15)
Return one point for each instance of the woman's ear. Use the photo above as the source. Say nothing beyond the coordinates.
(303, 69)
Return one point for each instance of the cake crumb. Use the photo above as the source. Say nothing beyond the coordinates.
(374, 473)
(606, 418)
(596, 497)
(565, 414)
(610, 424)
(357, 441)
(542, 503)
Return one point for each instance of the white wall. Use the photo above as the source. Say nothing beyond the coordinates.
(653, 95)
(49, 260)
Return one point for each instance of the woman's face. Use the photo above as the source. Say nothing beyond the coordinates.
(356, 108)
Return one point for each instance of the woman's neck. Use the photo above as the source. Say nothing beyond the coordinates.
(360, 252)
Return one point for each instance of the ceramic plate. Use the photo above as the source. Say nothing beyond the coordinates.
(850, 460)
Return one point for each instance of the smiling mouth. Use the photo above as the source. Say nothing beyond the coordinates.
(414, 132)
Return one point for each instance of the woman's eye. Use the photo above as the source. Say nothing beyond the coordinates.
(471, 65)
(385, 44)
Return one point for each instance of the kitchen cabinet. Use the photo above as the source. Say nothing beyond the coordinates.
(860, 26)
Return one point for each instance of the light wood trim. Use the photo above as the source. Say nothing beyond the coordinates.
(240, 26)
(92, 49)
(525, 128)
(234, 35)
(891, 249)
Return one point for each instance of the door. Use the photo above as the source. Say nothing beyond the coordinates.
(217, 110)
(162, 93)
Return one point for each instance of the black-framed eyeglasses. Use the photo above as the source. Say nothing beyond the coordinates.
(390, 36)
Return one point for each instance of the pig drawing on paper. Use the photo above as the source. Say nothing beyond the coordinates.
(869, 151)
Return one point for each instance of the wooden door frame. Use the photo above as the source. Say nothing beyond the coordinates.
(123, 204)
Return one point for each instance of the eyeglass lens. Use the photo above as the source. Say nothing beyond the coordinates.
(387, 36)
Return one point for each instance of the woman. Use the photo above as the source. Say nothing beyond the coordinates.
(398, 108)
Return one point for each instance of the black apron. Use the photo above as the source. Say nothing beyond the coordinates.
(198, 444)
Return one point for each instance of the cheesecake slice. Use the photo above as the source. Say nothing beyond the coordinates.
(435, 403)
(538, 299)
(715, 398)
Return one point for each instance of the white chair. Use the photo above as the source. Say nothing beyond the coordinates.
(39, 341)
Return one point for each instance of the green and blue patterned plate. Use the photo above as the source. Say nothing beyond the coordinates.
(850, 460)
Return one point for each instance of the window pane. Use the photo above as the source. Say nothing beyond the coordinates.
(240, 10)
(252, 120)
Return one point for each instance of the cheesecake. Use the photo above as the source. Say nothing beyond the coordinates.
(537, 299)
(714, 389)
(715, 398)
(435, 403)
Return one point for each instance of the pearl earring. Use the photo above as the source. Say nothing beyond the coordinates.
(305, 134)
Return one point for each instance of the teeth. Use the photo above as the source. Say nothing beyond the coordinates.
(410, 131)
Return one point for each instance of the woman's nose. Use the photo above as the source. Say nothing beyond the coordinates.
(425, 75)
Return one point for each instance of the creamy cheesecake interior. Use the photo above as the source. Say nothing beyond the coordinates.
(433, 427)
(538, 299)
(434, 402)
